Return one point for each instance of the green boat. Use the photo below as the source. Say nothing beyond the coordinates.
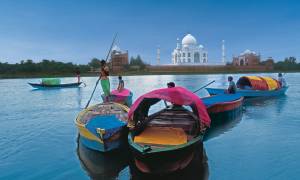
(166, 141)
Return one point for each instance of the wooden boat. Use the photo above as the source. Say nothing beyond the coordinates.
(42, 86)
(166, 141)
(123, 97)
(103, 127)
(254, 86)
(223, 107)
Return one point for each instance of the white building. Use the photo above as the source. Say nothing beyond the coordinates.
(189, 52)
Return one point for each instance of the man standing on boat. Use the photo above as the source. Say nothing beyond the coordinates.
(78, 75)
(105, 84)
(281, 80)
(232, 87)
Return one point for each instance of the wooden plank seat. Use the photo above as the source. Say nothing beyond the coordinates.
(176, 119)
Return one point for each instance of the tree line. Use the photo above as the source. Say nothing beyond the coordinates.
(45, 66)
(56, 67)
(288, 64)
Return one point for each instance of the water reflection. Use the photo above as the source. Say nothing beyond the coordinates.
(102, 165)
(276, 102)
(110, 165)
(224, 125)
(197, 169)
(79, 97)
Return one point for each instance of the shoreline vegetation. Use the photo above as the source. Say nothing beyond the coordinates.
(52, 68)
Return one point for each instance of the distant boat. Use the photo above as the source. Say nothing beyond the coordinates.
(167, 140)
(67, 85)
(254, 86)
(223, 107)
(123, 97)
(103, 127)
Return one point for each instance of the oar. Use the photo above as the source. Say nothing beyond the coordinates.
(204, 86)
(97, 82)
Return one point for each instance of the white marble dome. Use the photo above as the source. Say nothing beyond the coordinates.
(189, 52)
(189, 40)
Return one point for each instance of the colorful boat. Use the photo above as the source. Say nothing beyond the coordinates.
(46, 86)
(123, 97)
(254, 86)
(103, 127)
(223, 107)
(166, 141)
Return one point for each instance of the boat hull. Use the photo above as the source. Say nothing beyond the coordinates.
(164, 161)
(44, 86)
(224, 111)
(250, 93)
(115, 142)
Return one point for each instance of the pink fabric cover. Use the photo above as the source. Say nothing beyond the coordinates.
(177, 95)
(124, 92)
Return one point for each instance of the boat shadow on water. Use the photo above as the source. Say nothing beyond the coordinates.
(277, 102)
(100, 165)
(198, 169)
(221, 125)
(263, 101)
(110, 165)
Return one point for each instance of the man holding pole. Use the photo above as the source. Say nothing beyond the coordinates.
(105, 84)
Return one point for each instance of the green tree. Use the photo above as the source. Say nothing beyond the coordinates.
(137, 62)
(290, 60)
(95, 63)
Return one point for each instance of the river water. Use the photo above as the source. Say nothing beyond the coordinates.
(38, 137)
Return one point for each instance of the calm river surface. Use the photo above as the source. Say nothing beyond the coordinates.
(38, 137)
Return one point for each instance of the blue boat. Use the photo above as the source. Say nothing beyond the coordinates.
(103, 127)
(254, 86)
(248, 93)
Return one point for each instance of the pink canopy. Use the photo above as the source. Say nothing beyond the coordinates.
(177, 95)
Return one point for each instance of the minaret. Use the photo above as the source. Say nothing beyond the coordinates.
(223, 52)
(158, 55)
(178, 44)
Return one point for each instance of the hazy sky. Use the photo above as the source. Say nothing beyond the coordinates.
(72, 30)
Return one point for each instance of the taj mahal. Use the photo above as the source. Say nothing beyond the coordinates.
(189, 52)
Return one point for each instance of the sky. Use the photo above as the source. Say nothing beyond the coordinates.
(78, 30)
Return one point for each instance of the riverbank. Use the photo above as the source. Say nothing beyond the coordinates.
(133, 73)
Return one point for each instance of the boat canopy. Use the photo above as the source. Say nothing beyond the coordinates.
(124, 92)
(51, 81)
(177, 95)
(258, 83)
